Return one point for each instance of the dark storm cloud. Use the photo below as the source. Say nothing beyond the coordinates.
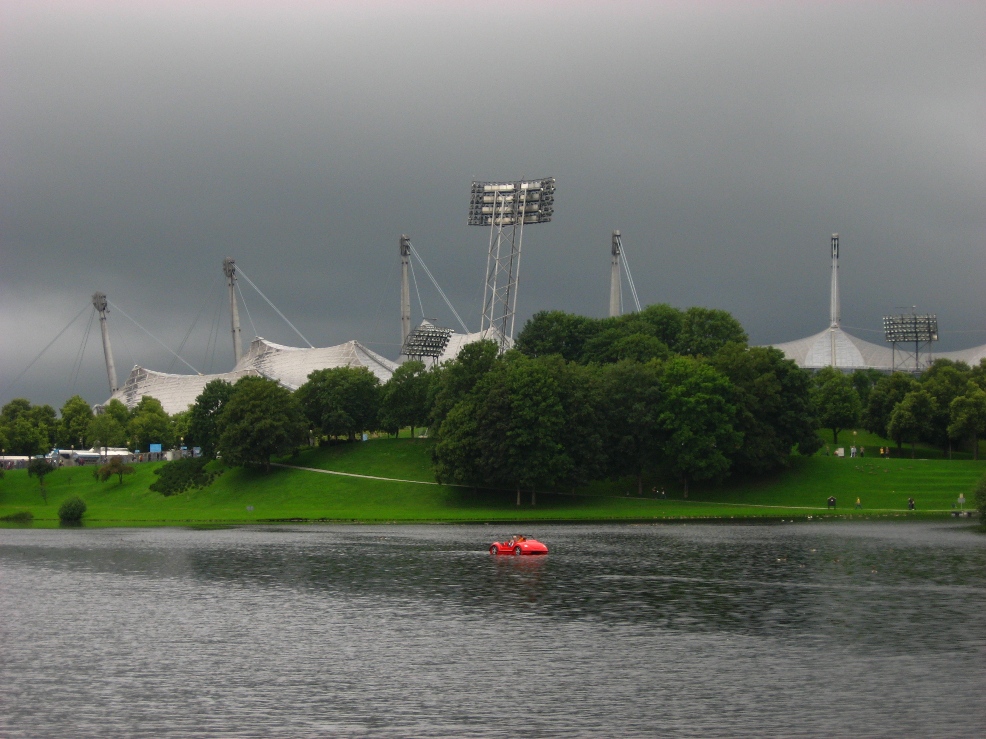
(141, 145)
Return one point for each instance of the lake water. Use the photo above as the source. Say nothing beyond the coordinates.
(693, 630)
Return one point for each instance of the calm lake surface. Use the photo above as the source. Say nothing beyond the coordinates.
(807, 629)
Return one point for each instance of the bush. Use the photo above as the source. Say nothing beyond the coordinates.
(182, 474)
(19, 517)
(72, 510)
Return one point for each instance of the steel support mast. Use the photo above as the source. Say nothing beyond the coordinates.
(615, 279)
(229, 269)
(834, 308)
(99, 302)
(405, 288)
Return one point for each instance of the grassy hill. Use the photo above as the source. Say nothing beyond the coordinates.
(409, 493)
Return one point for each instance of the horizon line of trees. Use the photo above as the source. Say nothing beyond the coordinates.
(664, 392)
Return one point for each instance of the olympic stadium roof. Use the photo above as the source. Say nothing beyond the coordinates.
(833, 347)
(455, 344)
(288, 365)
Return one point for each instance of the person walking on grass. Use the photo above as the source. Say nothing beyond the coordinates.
(859, 503)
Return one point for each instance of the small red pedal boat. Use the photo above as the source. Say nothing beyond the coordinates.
(518, 545)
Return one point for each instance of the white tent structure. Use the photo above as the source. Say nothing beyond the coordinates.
(288, 365)
(833, 347)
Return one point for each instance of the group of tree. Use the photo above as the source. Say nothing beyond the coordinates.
(30, 430)
(945, 406)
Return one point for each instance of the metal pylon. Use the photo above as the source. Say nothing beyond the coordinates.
(503, 265)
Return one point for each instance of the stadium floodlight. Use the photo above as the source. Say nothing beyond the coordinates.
(912, 328)
(916, 329)
(506, 207)
(426, 341)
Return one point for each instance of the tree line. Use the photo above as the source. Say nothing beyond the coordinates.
(660, 394)
(944, 407)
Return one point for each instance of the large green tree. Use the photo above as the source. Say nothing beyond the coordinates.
(628, 415)
(836, 401)
(967, 414)
(73, 426)
(203, 424)
(884, 396)
(28, 426)
(944, 381)
(697, 419)
(556, 332)
(261, 419)
(404, 398)
(149, 424)
(509, 432)
(105, 429)
(912, 418)
(704, 331)
(341, 401)
(452, 381)
(773, 403)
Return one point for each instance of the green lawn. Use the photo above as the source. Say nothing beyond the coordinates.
(284, 494)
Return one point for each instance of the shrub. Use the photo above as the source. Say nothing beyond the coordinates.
(981, 499)
(182, 474)
(72, 510)
(19, 517)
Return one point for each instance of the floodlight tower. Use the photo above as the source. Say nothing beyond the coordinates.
(405, 288)
(834, 309)
(615, 278)
(229, 269)
(505, 207)
(99, 302)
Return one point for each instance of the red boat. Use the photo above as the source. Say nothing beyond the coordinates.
(517, 546)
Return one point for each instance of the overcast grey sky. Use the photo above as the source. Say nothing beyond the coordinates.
(142, 142)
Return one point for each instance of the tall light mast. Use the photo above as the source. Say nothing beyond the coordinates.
(834, 310)
(615, 279)
(99, 302)
(405, 288)
(505, 207)
(229, 269)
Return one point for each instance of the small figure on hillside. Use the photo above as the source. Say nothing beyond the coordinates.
(910, 504)
(831, 501)
(961, 500)
(828, 452)
(859, 503)
(664, 493)
(862, 451)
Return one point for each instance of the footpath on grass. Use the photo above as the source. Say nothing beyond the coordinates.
(392, 481)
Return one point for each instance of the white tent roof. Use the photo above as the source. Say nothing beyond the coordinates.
(456, 343)
(833, 347)
(289, 365)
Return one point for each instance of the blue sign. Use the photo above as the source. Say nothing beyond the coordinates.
(155, 448)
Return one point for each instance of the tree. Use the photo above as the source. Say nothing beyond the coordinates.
(629, 418)
(115, 466)
(149, 424)
(341, 401)
(261, 419)
(967, 414)
(556, 332)
(508, 433)
(106, 430)
(944, 380)
(73, 426)
(884, 396)
(696, 418)
(41, 468)
(452, 381)
(836, 401)
(773, 403)
(203, 424)
(704, 331)
(29, 429)
(912, 418)
(25, 438)
(404, 398)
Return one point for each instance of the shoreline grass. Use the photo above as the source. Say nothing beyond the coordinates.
(409, 493)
